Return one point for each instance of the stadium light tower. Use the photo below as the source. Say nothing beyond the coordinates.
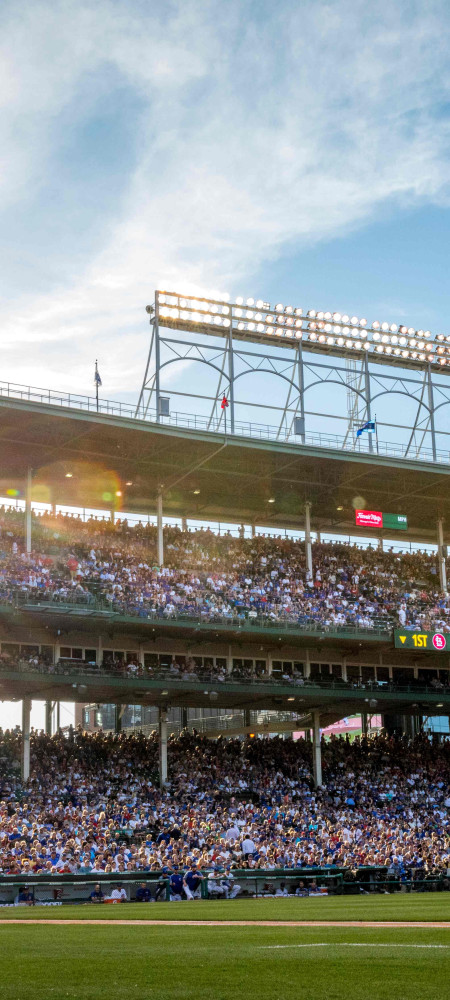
(312, 337)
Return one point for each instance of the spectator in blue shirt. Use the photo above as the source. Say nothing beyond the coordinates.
(143, 894)
(96, 895)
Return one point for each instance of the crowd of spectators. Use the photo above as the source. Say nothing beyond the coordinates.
(218, 578)
(93, 805)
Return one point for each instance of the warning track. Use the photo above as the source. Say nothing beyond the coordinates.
(444, 924)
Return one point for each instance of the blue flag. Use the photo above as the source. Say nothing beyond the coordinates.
(368, 426)
(97, 379)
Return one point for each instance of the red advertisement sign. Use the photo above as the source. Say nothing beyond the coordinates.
(369, 518)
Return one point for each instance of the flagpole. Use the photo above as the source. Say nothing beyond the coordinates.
(96, 383)
(376, 433)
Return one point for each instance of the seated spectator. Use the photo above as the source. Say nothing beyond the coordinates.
(26, 896)
(143, 893)
(96, 895)
(118, 894)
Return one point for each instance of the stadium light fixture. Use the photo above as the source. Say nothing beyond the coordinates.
(319, 331)
(69, 475)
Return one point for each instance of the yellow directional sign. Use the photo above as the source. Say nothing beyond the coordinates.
(402, 638)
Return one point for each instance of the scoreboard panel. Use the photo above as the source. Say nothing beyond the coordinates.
(433, 642)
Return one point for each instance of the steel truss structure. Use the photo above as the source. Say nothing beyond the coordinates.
(205, 331)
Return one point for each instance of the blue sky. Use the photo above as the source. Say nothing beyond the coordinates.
(297, 151)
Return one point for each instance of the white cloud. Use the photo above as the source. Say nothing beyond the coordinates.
(253, 133)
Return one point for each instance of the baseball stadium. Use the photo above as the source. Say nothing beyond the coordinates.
(224, 500)
(249, 624)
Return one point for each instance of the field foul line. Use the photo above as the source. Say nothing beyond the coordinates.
(419, 924)
(350, 944)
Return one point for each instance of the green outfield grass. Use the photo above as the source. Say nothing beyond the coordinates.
(223, 963)
(426, 906)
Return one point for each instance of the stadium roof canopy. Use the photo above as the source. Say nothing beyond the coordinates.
(87, 459)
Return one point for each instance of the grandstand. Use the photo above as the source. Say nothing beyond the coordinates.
(285, 625)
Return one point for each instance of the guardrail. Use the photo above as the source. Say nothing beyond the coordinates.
(44, 890)
(240, 620)
(193, 421)
(306, 685)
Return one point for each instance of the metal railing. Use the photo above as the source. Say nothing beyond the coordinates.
(43, 889)
(202, 677)
(192, 421)
(241, 620)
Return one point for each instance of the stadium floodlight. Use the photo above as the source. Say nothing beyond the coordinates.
(321, 331)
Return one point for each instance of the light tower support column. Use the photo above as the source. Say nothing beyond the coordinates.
(231, 379)
(317, 750)
(367, 395)
(431, 408)
(441, 556)
(26, 711)
(308, 545)
(157, 381)
(301, 390)
(159, 524)
(162, 726)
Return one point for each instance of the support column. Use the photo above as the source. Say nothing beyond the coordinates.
(231, 379)
(247, 720)
(317, 751)
(48, 718)
(380, 544)
(364, 724)
(118, 712)
(308, 545)
(28, 511)
(159, 528)
(318, 537)
(301, 390)
(431, 406)
(157, 360)
(26, 711)
(367, 394)
(253, 530)
(111, 516)
(58, 716)
(184, 523)
(162, 725)
(184, 718)
(442, 555)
